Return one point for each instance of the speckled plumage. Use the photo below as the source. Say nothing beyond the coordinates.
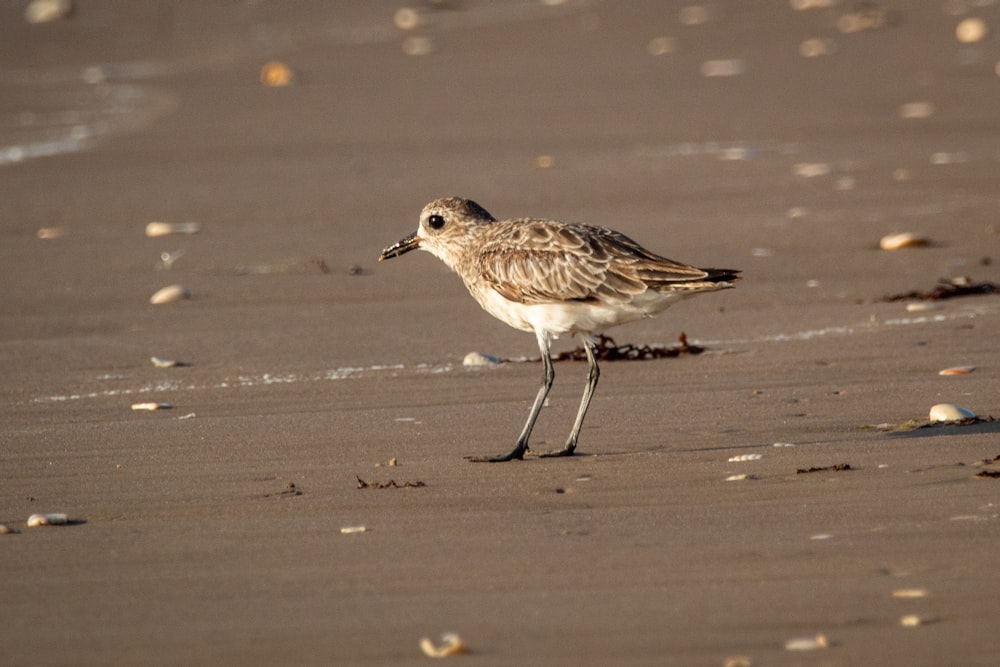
(552, 278)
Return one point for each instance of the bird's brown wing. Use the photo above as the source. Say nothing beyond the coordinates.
(541, 262)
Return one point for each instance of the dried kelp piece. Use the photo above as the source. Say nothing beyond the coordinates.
(948, 288)
(391, 484)
(607, 350)
(989, 474)
(840, 467)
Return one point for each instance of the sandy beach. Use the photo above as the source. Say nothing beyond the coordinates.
(770, 501)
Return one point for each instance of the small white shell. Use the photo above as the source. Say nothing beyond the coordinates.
(949, 412)
(913, 620)
(347, 530)
(745, 457)
(43, 11)
(170, 293)
(807, 643)
(47, 520)
(151, 406)
(167, 228)
(902, 240)
(166, 363)
(479, 359)
(922, 307)
(451, 644)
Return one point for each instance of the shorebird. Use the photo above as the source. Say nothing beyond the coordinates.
(553, 278)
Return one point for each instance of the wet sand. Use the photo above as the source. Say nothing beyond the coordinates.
(211, 533)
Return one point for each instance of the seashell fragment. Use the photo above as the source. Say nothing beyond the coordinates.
(913, 620)
(957, 370)
(916, 110)
(807, 643)
(36, 520)
(922, 307)
(909, 593)
(816, 47)
(276, 74)
(730, 67)
(811, 169)
(739, 478)
(43, 11)
(661, 46)
(745, 457)
(348, 530)
(479, 359)
(949, 412)
(902, 240)
(166, 363)
(7, 530)
(49, 233)
(451, 644)
(168, 228)
(151, 406)
(169, 294)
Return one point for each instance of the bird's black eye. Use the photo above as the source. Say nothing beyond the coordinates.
(435, 221)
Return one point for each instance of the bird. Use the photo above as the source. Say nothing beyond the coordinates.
(552, 278)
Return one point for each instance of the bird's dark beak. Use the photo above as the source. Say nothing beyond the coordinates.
(401, 247)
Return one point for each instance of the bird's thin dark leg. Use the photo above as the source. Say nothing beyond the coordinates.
(593, 375)
(548, 377)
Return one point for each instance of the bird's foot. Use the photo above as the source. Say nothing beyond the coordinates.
(517, 454)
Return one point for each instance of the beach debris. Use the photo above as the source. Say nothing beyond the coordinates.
(800, 5)
(275, 74)
(815, 47)
(737, 661)
(821, 536)
(723, 67)
(169, 294)
(418, 46)
(168, 258)
(915, 110)
(154, 229)
(949, 288)
(922, 307)
(151, 406)
(607, 350)
(909, 593)
(957, 370)
(168, 363)
(480, 359)
(807, 643)
(391, 484)
(7, 530)
(661, 46)
(392, 463)
(50, 233)
(739, 478)
(745, 457)
(43, 11)
(903, 240)
(949, 412)
(56, 519)
(783, 444)
(839, 467)
(913, 620)
(350, 530)
(451, 644)
(290, 491)
(971, 30)
(811, 169)
(988, 474)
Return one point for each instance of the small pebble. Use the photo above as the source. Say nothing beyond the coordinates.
(169, 294)
(902, 240)
(151, 406)
(949, 412)
(811, 169)
(167, 228)
(921, 307)
(451, 644)
(807, 643)
(545, 162)
(7, 530)
(912, 110)
(478, 359)
(276, 74)
(47, 520)
(957, 370)
(971, 30)
(347, 530)
(816, 47)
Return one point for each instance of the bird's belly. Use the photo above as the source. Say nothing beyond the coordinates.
(559, 317)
